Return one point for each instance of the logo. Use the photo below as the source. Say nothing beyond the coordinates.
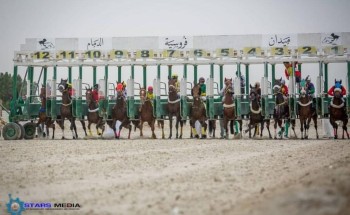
(15, 206)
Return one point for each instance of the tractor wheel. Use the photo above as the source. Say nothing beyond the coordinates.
(11, 131)
(29, 129)
(21, 135)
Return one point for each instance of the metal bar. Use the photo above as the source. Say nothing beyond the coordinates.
(70, 74)
(55, 72)
(94, 72)
(185, 71)
(80, 72)
(45, 76)
(325, 77)
(195, 75)
(247, 78)
(132, 71)
(144, 67)
(169, 70)
(221, 76)
(273, 74)
(158, 71)
(120, 74)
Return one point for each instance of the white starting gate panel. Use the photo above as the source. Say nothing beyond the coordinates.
(130, 87)
(183, 87)
(51, 88)
(77, 88)
(210, 87)
(102, 94)
(237, 86)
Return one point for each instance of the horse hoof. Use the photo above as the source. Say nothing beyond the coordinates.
(196, 136)
(169, 137)
(204, 137)
(63, 138)
(180, 137)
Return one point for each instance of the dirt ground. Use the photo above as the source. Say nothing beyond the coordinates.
(212, 176)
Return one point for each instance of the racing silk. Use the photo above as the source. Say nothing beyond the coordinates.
(177, 86)
(288, 72)
(70, 92)
(95, 95)
(284, 90)
(203, 90)
(331, 91)
(310, 89)
(150, 96)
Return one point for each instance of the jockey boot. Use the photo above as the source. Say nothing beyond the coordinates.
(286, 129)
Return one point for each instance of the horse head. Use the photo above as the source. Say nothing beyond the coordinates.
(63, 85)
(337, 93)
(172, 87)
(253, 95)
(88, 94)
(143, 95)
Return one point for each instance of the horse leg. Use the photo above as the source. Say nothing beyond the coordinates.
(214, 128)
(307, 128)
(89, 128)
(162, 125)
(335, 127)
(293, 127)
(152, 125)
(302, 128)
(315, 122)
(249, 126)
(61, 123)
(193, 129)
(171, 126)
(268, 128)
(275, 127)
(177, 127)
(83, 125)
(73, 128)
(204, 129)
(262, 128)
(345, 122)
(53, 126)
(141, 127)
(181, 126)
(225, 125)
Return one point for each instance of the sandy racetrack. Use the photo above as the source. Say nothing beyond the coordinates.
(144, 176)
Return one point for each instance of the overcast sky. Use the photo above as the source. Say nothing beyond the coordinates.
(20, 19)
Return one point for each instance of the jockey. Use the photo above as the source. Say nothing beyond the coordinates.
(70, 89)
(124, 90)
(310, 90)
(95, 93)
(177, 84)
(150, 95)
(289, 70)
(242, 81)
(203, 89)
(258, 89)
(284, 89)
(338, 87)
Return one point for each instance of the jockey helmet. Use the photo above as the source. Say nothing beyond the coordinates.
(96, 86)
(201, 80)
(257, 84)
(150, 88)
(124, 84)
(174, 75)
(120, 87)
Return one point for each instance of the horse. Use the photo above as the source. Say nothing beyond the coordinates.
(119, 113)
(92, 115)
(306, 113)
(146, 114)
(198, 112)
(338, 113)
(43, 118)
(255, 116)
(173, 107)
(281, 110)
(229, 107)
(66, 110)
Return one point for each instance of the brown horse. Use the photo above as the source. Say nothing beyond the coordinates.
(146, 114)
(198, 113)
(229, 107)
(92, 115)
(119, 113)
(281, 110)
(306, 113)
(43, 118)
(338, 113)
(255, 116)
(174, 109)
(66, 110)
